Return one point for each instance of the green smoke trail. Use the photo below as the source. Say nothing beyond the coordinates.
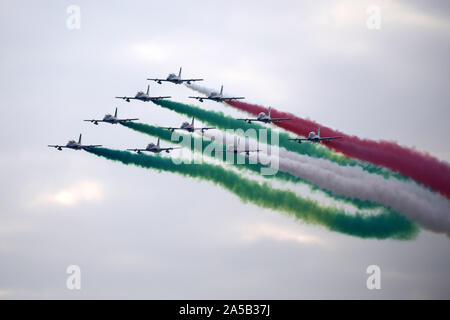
(389, 225)
(220, 120)
(256, 168)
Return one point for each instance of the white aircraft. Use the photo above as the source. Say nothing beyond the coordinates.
(315, 138)
(262, 117)
(172, 77)
(188, 127)
(217, 96)
(236, 149)
(111, 119)
(72, 144)
(155, 148)
(143, 96)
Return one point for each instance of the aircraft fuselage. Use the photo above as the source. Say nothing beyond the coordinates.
(173, 78)
(73, 145)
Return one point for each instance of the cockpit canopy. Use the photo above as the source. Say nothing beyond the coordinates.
(261, 115)
(312, 134)
(150, 145)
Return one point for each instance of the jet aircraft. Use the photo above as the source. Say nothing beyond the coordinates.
(108, 118)
(172, 77)
(155, 148)
(266, 118)
(217, 96)
(315, 138)
(72, 144)
(189, 127)
(142, 96)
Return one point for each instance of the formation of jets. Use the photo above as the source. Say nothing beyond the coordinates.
(315, 138)
(189, 127)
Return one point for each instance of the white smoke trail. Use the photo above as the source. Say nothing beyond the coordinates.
(201, 89)
(428, 209)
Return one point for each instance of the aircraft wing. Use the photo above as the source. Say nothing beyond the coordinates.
(126, 120)
(280, 119)
(157, 98)
(329, 138)
(299, 139)
(93, 120)
(200, 98)
(91, 146)
(191, 80)
(168, 149)
(204, 128)
(125, 98)
(157, 80)
(239, 151)
(247, 151)
(56, 146)
(218, 98)
(137, 150)
(248, 120)
(232, 98)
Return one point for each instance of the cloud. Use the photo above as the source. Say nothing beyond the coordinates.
(278, 233)
(83, 191)
(409, 16)
(4, 293)
(153, 52)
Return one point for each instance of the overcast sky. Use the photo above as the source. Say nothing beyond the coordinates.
(137, 233)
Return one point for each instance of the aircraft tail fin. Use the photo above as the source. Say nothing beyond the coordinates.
(157, 142)
(148, 89)
(318, 131)
(79, 139)
(221, 90)
(268, 113)
(179, 73)
(115, 113)
(192, 123)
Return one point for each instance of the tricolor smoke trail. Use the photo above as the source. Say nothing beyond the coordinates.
(419, 166)
(352, 184)
(224, 122)
(255, 167)
(430, 210)
(389, 225)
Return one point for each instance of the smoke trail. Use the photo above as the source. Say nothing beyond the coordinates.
(414, 202)
(255, 167)
(430, 210)
(221, 121)
(419, 166)
(206, 91)
(370, 226)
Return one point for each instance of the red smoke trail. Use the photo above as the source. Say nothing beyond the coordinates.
(419, 166)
